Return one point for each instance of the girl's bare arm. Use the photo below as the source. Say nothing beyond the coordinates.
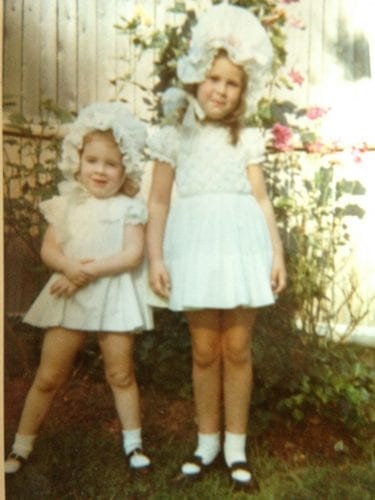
(126, 260)
(159, 202)
(258, 185)
(53, 256)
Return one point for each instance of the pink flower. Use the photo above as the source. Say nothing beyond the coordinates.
(357, 155)
(315, 112)
(296, 76)
(282, 137)
(289, 1)
(358, 151)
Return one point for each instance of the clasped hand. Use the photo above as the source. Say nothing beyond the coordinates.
(76, 275)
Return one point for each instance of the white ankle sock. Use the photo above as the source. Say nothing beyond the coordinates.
(234, 448)
(23, 445)
(208, 447)
(132, 440)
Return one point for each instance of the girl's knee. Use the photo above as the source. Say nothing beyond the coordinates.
(46, 381)
(236, 354)
(206, 356)
(120, 379)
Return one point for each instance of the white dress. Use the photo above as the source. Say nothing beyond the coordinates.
(217, 245)
(88, 227)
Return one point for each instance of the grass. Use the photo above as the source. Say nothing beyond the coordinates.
(83, 461)
(91, 466)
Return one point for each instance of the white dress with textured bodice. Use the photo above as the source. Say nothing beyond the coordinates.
(217, 245)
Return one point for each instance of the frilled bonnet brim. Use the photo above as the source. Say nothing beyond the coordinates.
(128, 131)
(246, 42)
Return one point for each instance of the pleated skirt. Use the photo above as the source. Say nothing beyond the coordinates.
(218, 252)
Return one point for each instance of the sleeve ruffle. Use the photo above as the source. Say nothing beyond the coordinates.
(136, 212)
(254, 144)
(54, 210)
(163, 145)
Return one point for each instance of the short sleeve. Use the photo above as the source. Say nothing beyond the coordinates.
(136, 212)
(54, 210)
(254, 145)
(163, 144)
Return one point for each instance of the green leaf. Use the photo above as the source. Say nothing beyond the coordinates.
(353, 211)
(298, 414)
(17, 119)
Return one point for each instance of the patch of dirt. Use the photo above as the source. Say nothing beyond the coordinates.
(313, 438)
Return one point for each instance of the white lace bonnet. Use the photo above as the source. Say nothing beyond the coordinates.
(129, 133)
(241, 34)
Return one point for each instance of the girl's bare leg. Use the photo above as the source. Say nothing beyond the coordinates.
(205, 335)
(59, 349)
(206, 345)
(236, 327)
(118, 349)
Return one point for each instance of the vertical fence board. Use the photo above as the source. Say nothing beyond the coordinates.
(331, 24)
(31, 59)
(67, 54)
(314, 54)
(125, 54)
(143, 69)
(12, 59)
(106, 50)
(86, 52)
(48, 51)
(298, 48)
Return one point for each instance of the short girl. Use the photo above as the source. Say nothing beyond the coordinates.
(94, 244)
(215, 251)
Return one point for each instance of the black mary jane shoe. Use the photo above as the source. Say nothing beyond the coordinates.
(14, 463)
(239, 477)
(197, 469)
(142, 469)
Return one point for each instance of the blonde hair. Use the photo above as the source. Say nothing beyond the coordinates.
(130, 186)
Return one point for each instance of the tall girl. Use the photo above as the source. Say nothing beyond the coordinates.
(94, 244)
(215, 251)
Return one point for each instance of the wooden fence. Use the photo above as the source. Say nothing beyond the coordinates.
(71, 52)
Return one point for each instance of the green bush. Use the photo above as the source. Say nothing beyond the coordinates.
(296, 374)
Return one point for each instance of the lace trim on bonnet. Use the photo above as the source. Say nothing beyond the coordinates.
(247, 43)
(128, 131)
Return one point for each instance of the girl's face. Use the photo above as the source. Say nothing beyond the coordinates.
(220, 93)
(101, 169)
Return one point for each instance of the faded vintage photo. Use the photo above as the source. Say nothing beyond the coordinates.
(189, 267)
